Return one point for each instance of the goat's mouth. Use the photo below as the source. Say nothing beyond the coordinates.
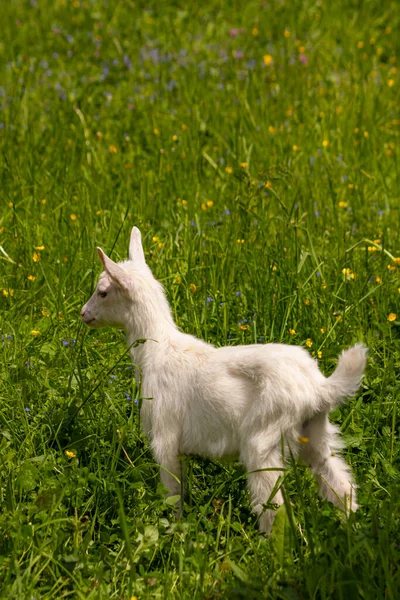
(88, 322)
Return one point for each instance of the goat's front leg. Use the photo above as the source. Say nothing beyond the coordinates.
(167, 456)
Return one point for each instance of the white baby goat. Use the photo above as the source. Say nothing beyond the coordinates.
(232, 401)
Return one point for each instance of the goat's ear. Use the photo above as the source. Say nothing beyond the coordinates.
(136, 253)
(114, 271)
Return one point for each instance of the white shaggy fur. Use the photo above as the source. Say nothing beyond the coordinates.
(231, 401)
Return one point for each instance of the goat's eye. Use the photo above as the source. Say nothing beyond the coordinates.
(102, 294)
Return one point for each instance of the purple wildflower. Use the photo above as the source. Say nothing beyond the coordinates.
(171, 85)
(127, 62)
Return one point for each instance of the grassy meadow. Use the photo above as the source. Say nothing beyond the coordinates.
(256, 145)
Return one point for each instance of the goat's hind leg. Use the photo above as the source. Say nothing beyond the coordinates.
(264, 465)
(333, 474)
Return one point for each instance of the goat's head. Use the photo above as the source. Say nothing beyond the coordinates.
(118, 287)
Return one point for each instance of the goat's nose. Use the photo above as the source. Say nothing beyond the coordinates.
(82, 312)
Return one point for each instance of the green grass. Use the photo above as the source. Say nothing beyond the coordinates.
(114, 114)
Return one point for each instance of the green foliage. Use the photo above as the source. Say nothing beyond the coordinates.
(256, 146)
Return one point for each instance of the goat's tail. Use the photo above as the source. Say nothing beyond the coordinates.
(346, 378)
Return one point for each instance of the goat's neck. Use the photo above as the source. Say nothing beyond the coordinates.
(152, 322)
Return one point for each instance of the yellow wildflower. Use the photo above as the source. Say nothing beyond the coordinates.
(192, 288)
(391, 82)
(43, 201)
(243, 165)
(229, 170)
(378, 279)
(325, 143)
(155, 239)
(272, 129)
(268, 184)
(31, 277)
(113, 149)
(292, 332)
(303, 440)
(268, 60)
(156, 131)
(36, 257)
(255, 31)
(70, 454)
(243, 327)
(174, 138)
(396, 260)
(309, 342)
(307, 301)
(183, 127)
(240, 241)
(319, 353)
(45, 313)
(372, 249)
(366, 134)
(39, 247)
(392, 317)
(360, 44)
(295, 148)
(286, 33)
(323, 329)
(160, 245)
(348, 274)
(73, 217)
(35, 332)
(203, 206)
(177, 279)
(210, 203)
(342, 204)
